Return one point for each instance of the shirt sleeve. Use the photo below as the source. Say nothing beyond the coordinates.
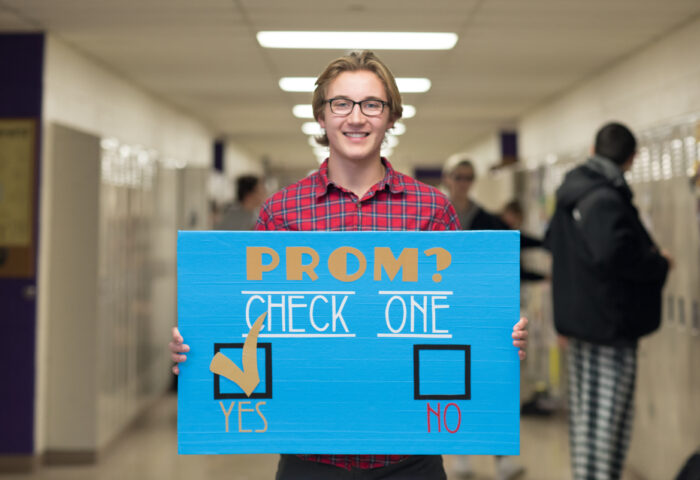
(445, 218)
(265, 219)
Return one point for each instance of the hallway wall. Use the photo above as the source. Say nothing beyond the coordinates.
(83, 96)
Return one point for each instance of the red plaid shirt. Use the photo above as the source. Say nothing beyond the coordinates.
(397, 202)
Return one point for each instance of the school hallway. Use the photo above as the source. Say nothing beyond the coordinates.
(133, 133)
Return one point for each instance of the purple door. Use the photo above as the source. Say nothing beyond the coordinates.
(21, 61)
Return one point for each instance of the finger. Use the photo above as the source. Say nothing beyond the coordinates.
(178, 358)
(176, 335)
(520, 334)
(176, 370)
(520, 343)
(178, 347)
(521, 325)
(522, 354)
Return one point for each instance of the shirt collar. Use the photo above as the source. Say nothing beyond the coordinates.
(392, 180)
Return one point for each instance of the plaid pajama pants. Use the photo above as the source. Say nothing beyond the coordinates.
(601, 394)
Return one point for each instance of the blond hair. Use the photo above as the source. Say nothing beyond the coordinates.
(353, 62)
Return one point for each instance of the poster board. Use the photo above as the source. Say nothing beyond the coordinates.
(363, 342)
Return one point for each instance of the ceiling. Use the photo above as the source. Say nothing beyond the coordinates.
(201, 56)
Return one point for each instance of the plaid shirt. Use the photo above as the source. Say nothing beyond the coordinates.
(397, 202)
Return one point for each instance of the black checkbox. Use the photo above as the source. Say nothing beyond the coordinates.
(464, 393)
(238, 347)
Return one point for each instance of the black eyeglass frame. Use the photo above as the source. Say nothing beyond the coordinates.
(360, 103)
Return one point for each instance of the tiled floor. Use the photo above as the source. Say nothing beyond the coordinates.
(148, 452)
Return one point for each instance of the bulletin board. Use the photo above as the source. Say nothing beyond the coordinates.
(17, 184)
(348, 343)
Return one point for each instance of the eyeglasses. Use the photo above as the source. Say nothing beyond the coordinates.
(344, 106)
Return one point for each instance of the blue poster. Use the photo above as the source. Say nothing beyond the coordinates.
(349, 342)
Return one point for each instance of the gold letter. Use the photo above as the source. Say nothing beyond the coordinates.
(408, 260)
(257, 407)
(338, 264)
(240, 420)
(253, 262)
(226, 414)
(296, 269)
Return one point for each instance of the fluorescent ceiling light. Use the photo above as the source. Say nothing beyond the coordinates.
(399, 129)
(409, 111)
(311, 128)
(358, 40)
(391, 141)
(297, 84)
(304, 111)
(413, 85)
(307, 84)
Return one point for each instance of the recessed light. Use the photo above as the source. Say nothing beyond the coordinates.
(398, 129)
(297, 84)
(358, 40)
(307, 84)
(391, 141)
(311, 128)
(303, 111)
(413, 85)
(409, 111)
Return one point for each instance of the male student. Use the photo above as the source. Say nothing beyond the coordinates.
(356, 101)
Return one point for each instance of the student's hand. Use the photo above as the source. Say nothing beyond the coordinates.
(520, 337)
(669, 259)
(177, 348)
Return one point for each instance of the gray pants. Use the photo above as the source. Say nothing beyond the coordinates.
(417, 467)
(601, 393)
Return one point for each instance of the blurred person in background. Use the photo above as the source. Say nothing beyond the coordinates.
(512, 217)
(243, 213)
(607, 276)
(459, 180)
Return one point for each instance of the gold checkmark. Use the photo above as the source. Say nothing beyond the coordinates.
(248, 378)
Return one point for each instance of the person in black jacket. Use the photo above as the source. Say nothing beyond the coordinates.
(607, 276)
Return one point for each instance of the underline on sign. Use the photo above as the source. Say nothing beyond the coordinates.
(386, 292)
(415, 335)
(303, 335)
(287, 292)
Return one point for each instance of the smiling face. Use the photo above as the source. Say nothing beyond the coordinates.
(355, 137)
